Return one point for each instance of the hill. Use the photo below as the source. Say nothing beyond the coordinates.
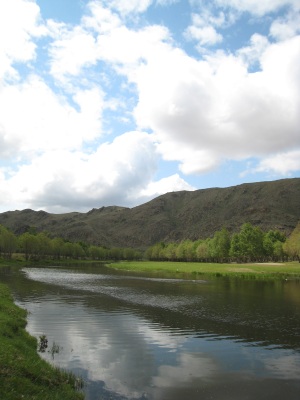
(172, 216)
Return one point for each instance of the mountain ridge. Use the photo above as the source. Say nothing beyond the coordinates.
(173, 216)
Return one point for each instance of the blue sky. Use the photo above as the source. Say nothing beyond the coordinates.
(116, 102)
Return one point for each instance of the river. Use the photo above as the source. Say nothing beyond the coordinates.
(139, 337)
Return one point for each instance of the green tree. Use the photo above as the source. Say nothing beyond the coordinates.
(235, 250)
(170, 251)
(43, 244)
(220, 245)
(251, 241)
(272, 242)
(8, 242)
(202, 250)
(28, 244)
(58, 246)
(292, 244)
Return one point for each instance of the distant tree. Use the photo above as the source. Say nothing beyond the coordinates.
(202, 250)
(272, 243)
(8, 242)
(44, 247)
(186, 251)
(116, 253)
(154, 252)
(58, 246)
(235, 250)
(170, 251)
(220, 245)
(251, 241)
(78, 251)
(128, 254)
(292, 244)
(94, 252)
(28, 244)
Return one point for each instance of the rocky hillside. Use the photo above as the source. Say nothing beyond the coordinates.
(172, 216)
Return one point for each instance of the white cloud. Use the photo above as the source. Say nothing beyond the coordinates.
(100, 19)
(117, 173)
(217, 108)
(205, 35)
(129, 6)
(34, 118)
(200, 111)
(69, 54)
(164, 185)
(258, 7)
(253, 52)
(286, 26)
(202, 28)
(281, 164)
(19, 25)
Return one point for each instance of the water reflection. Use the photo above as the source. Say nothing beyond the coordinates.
(141, 338)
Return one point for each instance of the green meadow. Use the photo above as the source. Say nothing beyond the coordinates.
(288, 270)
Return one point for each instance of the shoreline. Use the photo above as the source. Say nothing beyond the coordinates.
(194, 270)
(23, 373)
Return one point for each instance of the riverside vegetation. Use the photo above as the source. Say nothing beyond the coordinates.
(23, 374)
(250, 244)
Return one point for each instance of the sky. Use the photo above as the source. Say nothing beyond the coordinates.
(115, 102)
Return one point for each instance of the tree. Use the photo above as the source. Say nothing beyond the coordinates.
(28, 243)
(292, 244)
(220, 244)
(251, 241)
(170, 251)
(202, 250)
(272, 243)
(43, 244)
(8, 242)
(235, 250)
(57, 245)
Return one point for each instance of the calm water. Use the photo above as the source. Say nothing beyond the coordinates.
(134, 337)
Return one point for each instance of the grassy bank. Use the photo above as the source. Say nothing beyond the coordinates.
(23, 374)
(290, 270)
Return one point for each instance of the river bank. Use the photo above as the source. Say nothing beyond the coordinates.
(288, 270)
(23, 373)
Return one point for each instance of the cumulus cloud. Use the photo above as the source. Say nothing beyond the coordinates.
(164, 185)
(286, 26)
(66, 59)
(203, 31)
(34, 118)
(117, 172)
(258, 7)
(129, 6)
(18, 31)
(197, 111)
(217, 107)
(282, 163)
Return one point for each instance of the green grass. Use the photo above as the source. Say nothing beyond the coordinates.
(289, 270)
(23, 374)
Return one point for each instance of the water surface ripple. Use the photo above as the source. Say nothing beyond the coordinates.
(139, 337)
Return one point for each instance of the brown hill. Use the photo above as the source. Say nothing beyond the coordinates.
(172, 216)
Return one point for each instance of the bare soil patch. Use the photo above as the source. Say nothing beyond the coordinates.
(269, 263)
(241, 270)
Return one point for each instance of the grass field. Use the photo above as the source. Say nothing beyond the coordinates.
(23, 374)
(289, 270)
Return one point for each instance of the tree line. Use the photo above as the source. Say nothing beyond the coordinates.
(249, 244)
(37, 246)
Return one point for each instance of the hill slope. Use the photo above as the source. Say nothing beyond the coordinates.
(172, 216)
